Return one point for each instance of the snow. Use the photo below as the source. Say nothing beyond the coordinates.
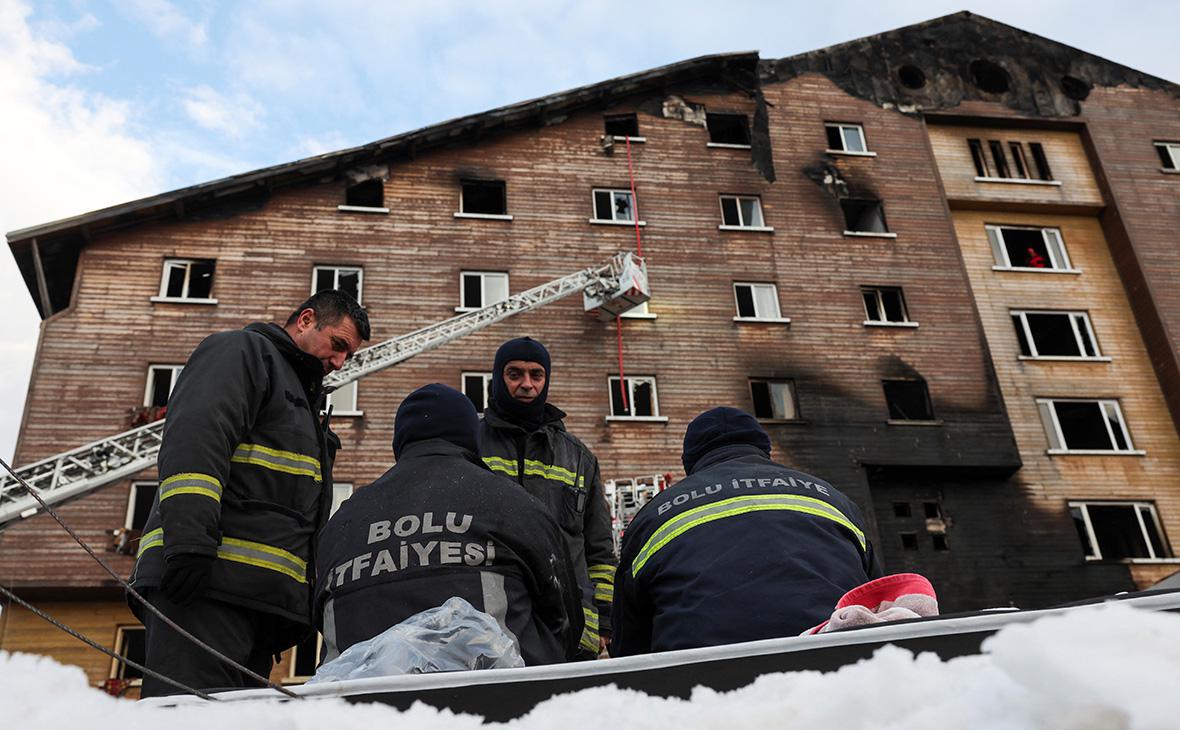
(1105, 667)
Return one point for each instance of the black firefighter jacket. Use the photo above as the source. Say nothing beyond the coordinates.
(742, 549)
(245, 473)
(440, 524)
(556, 468)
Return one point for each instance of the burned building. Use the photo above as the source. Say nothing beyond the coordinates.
(938, 264)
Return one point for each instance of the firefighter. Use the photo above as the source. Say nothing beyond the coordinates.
(522, 436)
(245, 471)
(441, 524)
(741, 549)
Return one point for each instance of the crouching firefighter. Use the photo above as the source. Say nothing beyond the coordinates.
(741, 549)
(441, 524)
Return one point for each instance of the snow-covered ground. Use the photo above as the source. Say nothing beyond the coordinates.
(1108, 667)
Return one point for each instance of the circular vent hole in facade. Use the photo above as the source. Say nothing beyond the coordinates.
(911, 77)
(988, 76)
(1075, 88)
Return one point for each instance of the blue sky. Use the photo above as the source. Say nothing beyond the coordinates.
(104, 102)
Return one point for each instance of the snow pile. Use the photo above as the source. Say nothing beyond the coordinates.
(1107, 667)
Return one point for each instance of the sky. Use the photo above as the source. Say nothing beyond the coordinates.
(105, 102)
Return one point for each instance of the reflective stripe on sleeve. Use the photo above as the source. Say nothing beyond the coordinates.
(589, 639)
(152, 539)
(733, 507)
(287, 462)
(191, 483)
(503, 466)
(263, 556)
(602, 573)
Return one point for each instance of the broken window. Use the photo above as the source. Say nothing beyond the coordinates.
(863, 216)
(741, 211)
(477, 387)
(1019, 163)
(1010, 162)
(640, 401)
(139, 504)
(639, 312)
(342, 401)
(846, 138)
(484, 197)
(305, 657)
(1055, 334)
(884, 304)
(909, 540)
(622, 125)
(978, 158)
(756, 301)
(187, 279)
(1169, 153)
(908, 400)
(345, 278)
(1041, 162)
(774, 400)
(479, 289)
(1084, 425)
(1119, 530)
(728, 129)
(129, 642)
(367, 194)
(613, 205)
(998, 158)
(938, 541)
(161, 379)
(933, 510)
(1028, 248)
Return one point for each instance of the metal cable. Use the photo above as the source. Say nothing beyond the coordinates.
(136, 595)
(115, 655)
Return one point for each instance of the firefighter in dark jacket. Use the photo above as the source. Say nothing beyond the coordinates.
(441, 524)
(522, 436)
(741, 549)
(245, 472)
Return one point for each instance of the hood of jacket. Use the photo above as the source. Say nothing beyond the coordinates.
(308, 368)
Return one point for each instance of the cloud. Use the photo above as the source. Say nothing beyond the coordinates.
(312, 145)
(233, 116)
(66, 151)
(166, 22)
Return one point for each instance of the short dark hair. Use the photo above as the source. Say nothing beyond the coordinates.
(330, 305)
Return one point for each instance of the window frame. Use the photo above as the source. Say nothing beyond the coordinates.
(149, 384)
(292, 677)
(728, 145)
(995, 238)
(1138, 506)
(866, 234)
(842, 126)
(623, 137)
(778, 319)
(614, 221)
(487, 383)
(1077, 318)
(934, 420)
(132, 494)
(1108, 407)
(640, 311)
(120, 632)
(483, 294)
(347, 207)
(632, 380)
(741, 226)
(337, 268)
(505, 216)
(1173, 151)
(794, 393)
(352, 410)
(877, 291)
(172, 262)
(1007, 156)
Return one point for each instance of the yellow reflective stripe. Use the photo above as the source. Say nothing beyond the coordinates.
(591, 616)
(602, 573)
(589, 640)
(287, 462)
(152, 539)
(733, 507)
(604, 593)
(191, 483)
(261, 555)
(495, 463)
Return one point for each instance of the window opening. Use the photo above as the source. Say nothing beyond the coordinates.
(1055, 334)
(728, 129)
(139, 504)
(187, 279)
(908, 400)
(978, 158)
(741, 211)
(641, 397)
(933, 510)
(756, 301)
(482, 288)
(909, 540)
(1018, 161)
(846, 138)
(622, 125)
(1028, 248)
(863, 216)
(478, 387)
(305, 656)
(484, 197)
(1169, 153)
(1041, 162)
(613, 205)
(884, 304)
(1119, 530)
(342, 401)
(367, 194)
(129, 642)
(1084, 425)
(161, 380)
(774, 399)
(902, 509)
(345, 278)
(998, 158)
(938, 540)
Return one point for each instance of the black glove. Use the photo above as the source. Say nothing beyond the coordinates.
(185, 577)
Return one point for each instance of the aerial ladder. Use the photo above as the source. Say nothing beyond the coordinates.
(607, 290)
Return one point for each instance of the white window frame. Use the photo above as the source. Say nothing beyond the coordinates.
(486, 378)
(742, 226)
(758, 316)
(843, 127)
(790, 383)
(612, 221)
(187, 264)
(120, 630)
(1173, 149)
(1138, 506)
(341, 491)
(341, 402)
(337, 270)
(485, 216)
(623, 137)
(483, 289)
(131, 495)
(632, 381)
(1109, 407)
(1054, 243)
(1077, 320)
(883, 321)
(642, 311)
(149, 386)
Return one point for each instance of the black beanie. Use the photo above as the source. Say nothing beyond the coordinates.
(719, 427)
(436, 412)
(529, 415)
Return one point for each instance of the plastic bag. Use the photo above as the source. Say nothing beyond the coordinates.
(452, 637)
